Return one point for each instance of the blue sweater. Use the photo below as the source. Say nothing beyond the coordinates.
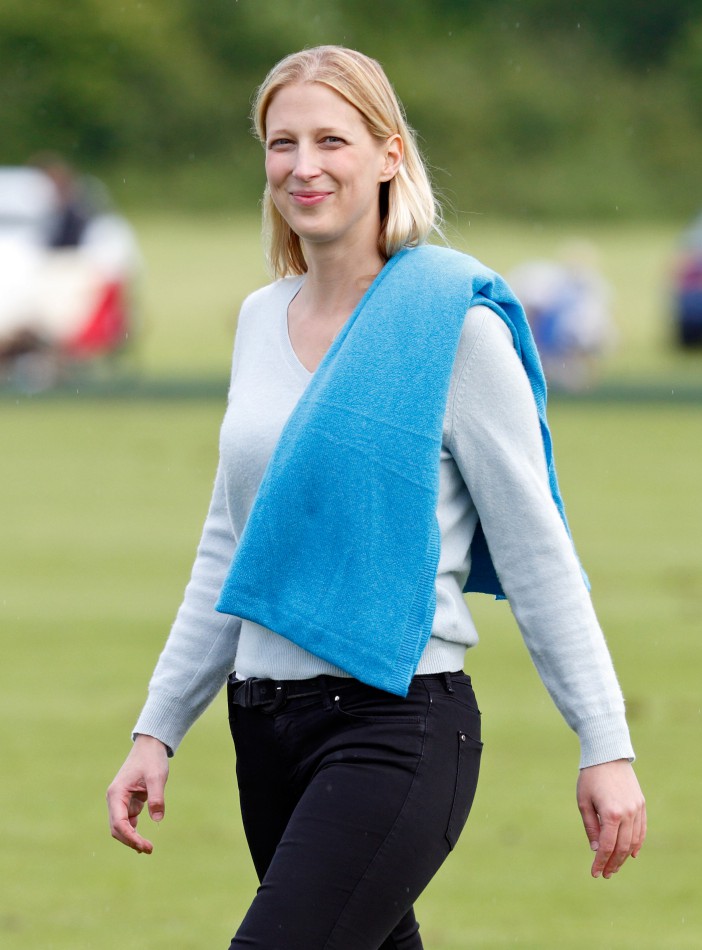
(340, 551)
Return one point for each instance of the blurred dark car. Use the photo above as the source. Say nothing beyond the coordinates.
(687, 287)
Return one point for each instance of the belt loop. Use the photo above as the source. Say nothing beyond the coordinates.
(324, 690)
(447, 682)
(280, 698)
(248, 692)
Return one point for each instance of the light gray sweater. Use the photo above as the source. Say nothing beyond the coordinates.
(492, 462)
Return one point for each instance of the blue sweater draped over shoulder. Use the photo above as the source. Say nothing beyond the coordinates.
(341, 548)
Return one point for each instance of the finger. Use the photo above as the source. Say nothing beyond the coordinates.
(638, 844)
(637, 834)
(631, 831)
(123, 832)
(622, 848)
(123, 828)
(605, 847)
(124, 807)
(591, 822)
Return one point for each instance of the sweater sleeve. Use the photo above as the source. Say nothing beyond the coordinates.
(200, 651)
(495, 439)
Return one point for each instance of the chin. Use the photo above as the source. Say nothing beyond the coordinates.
(314, 235)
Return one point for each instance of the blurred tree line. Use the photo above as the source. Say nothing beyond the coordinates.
(524, 107)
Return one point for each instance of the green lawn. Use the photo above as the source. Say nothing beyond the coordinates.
(101, 507)
(197, 272)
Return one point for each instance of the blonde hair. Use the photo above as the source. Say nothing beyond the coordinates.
(408, 210)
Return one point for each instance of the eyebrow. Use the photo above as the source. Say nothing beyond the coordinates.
(324, 130)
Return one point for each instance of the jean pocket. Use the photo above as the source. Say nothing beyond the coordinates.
(369, 705)
(468, 754)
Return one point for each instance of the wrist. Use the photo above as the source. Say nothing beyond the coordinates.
(143, 740)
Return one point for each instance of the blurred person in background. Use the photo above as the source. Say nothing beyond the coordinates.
(568, 304)
(74, 207)
(381, 427)
(68, 272)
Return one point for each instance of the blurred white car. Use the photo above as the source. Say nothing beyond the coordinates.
(59, 306)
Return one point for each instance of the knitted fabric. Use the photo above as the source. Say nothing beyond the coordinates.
(340, 550)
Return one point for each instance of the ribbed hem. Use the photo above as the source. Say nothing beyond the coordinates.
(269, 655)
(417, 629)
(604, 738)
(440, 656)
(162, 718)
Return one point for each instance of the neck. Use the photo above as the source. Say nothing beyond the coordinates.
(336, 280)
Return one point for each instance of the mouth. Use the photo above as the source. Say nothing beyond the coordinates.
(309, 198)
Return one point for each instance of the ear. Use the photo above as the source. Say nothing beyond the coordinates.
(394, 153)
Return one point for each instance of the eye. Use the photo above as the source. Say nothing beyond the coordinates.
(333, 141)
(278, 144)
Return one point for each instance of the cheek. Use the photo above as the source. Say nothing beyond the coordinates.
(276, 177)
(274, 170)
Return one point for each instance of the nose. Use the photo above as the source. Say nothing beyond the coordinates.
(306, 166)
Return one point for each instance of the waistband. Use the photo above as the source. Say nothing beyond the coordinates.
(255, 692)
(263, 692)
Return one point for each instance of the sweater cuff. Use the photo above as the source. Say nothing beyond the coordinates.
(604, 738)
(162, 718)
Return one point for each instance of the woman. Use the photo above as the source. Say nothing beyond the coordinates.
(386, 418)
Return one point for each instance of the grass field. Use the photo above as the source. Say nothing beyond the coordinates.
(198, 271)
(101, 507)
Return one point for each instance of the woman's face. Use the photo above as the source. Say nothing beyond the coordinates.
(324, 168)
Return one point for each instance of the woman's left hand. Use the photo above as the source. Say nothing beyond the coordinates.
(613, 810)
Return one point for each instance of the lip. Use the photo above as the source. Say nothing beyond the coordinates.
(309, 198)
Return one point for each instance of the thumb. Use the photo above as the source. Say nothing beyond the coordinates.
(155, 788)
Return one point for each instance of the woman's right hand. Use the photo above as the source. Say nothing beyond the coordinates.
(140, 781)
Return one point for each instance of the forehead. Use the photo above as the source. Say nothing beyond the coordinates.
(310, 103)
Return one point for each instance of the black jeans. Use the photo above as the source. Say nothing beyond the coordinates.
(351, 800)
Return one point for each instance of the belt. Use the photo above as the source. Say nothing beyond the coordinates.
(264, 692)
